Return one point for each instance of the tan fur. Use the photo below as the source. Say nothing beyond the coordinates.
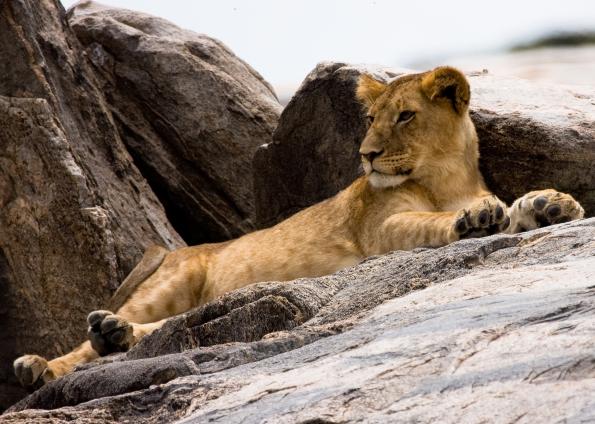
(422, 188)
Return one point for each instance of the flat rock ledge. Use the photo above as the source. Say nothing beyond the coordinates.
(497, 329)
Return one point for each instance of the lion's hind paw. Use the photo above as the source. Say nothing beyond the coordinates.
(109, 333)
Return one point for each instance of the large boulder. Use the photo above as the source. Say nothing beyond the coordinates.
(488, 329)
(532, 136)
(75, 212)
(101, 128)
(190, 112)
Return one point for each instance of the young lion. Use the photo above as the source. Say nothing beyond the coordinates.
(422, 188)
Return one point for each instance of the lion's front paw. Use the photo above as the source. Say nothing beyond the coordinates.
(32, 371)
(542, 208)
(482, 218)
(109, 333)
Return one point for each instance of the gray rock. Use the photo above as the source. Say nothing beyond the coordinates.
(190, 112)
(75, 212)
(532, 136)
(488, 329)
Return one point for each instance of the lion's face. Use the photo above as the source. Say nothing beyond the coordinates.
(416, 121)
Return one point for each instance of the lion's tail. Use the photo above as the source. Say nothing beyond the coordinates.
(150, 262)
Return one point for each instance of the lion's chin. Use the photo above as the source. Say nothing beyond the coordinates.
(378, 180)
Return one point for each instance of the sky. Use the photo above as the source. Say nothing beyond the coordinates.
(284, 39)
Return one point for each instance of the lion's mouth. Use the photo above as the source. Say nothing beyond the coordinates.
(370, 169)
(404, 172)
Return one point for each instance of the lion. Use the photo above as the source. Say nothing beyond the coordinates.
(422, 188)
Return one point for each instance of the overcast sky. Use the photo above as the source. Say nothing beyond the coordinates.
(284, 39)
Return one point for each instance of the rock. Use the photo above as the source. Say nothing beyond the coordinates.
(535, 136)
(75, 212)
(95, 139)
(190, 112)
(488, 329)
(532, 136)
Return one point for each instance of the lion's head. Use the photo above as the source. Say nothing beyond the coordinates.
(419, 126)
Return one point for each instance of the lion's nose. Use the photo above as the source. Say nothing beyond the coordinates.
(371, 155)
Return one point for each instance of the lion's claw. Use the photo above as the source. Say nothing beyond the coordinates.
(32, 371)
(484, 217)
(109, 333)
(542, 208)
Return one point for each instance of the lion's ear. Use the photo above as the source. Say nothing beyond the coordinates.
(369, 89)
(449, 84)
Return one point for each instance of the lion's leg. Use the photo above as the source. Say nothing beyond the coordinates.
(34, 371)
(408, 230)
(542, 208)
(109, 332)
(175, 287)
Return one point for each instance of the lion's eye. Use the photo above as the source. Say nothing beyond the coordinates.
(370, 119)
(405, 116)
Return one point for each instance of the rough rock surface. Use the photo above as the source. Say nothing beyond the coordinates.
(190, 112)
(532, 136)
(75, 212)
(495, 329)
